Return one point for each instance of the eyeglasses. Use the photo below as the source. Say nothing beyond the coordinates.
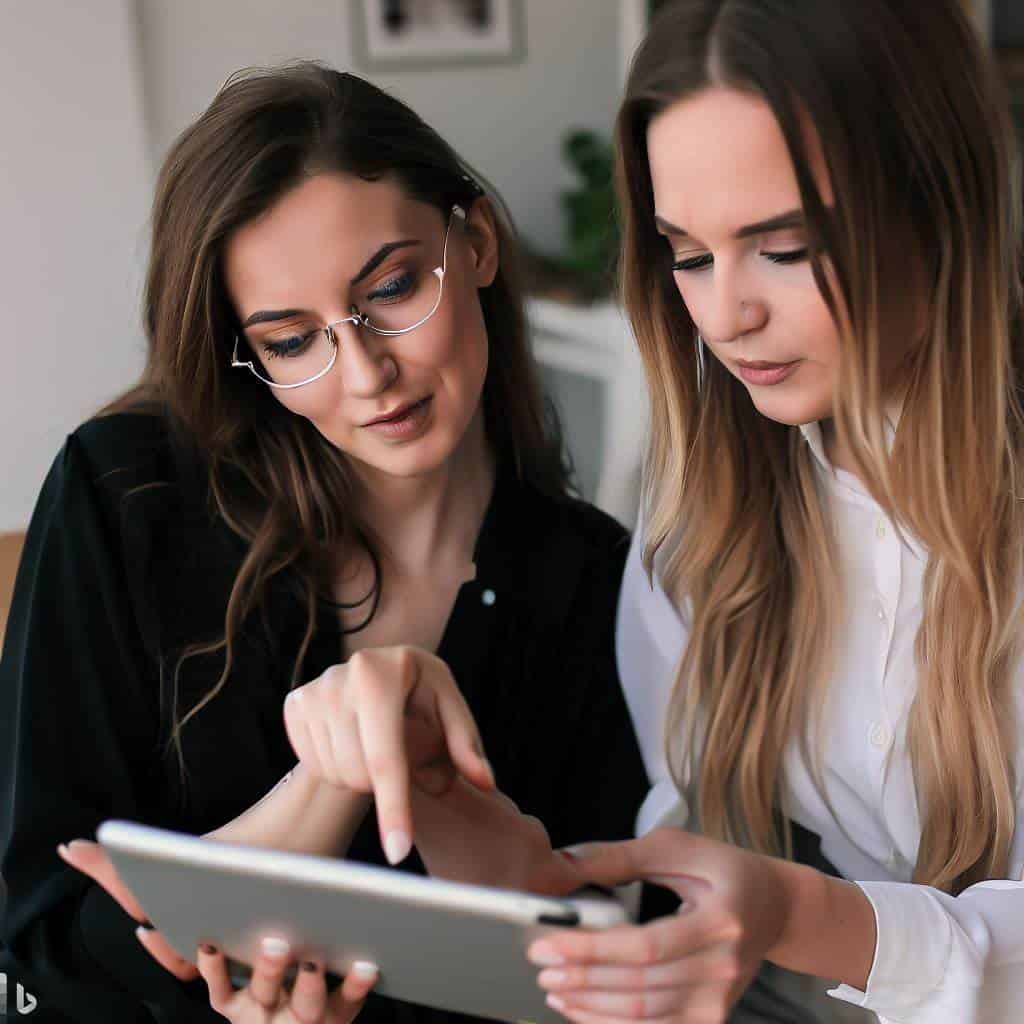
(298, 356)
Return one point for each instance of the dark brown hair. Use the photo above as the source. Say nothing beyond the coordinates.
(915, 133)
(272, 477)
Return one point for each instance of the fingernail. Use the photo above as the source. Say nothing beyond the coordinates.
(62, 850)
(207, 948)
(364, 969)
(555, 1003)
(273, 946)
(544, 955)
(81, 842)
(578, 852)
(308, 965)
(552, 978)
(397, 845)
(147, 924)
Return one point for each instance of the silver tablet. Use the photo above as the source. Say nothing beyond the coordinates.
(443, 944)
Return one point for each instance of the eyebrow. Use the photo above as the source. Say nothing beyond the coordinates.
(790, 219)
(268, 315)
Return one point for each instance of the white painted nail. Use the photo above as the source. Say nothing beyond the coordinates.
(364, 969)
(397, 845)
(273, 946)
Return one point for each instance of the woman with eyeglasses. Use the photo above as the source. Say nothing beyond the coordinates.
(821, 613)
(290, 588)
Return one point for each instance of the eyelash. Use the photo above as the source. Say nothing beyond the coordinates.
(396, 288)
(393, 289)
(700, 262)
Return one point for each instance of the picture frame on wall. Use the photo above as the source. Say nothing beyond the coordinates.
(396, 35)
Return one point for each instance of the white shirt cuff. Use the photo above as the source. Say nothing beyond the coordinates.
(910, 976)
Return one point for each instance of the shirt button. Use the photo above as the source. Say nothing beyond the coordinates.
(879, 735)
(488, 597)
(892, 862)
(880, 529)
(880, 611)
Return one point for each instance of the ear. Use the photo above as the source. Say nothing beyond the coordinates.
(482, 233)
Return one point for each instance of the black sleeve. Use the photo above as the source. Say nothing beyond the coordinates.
(79, 735)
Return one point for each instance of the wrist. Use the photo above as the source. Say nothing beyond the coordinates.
(803, 897)
(828, 927)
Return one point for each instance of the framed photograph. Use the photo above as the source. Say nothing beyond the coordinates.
(397, 35)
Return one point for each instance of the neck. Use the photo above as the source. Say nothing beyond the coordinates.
(431, 521)
(839, 454)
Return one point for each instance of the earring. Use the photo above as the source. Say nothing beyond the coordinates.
(701, 368)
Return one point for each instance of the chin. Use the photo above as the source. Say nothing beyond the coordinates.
(792, 410)
(420, 458)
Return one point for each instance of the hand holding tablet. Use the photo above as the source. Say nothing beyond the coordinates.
(440, 943)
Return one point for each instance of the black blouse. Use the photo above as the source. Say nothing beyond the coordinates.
(123, 566)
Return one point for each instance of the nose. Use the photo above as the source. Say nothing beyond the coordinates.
(732, 311)
(367, 366)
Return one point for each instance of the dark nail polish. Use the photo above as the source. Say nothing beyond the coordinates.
(308, 965)
(207, 948)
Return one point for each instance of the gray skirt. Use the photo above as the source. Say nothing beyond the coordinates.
(778, 996)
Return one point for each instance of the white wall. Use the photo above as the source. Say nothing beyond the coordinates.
(508, 120)
(73, 203)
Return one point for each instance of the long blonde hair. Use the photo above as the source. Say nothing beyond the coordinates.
(914, 127)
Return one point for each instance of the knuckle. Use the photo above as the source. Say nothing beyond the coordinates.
(381, 765)
(729, 969)
(405, 661)
(728, 927)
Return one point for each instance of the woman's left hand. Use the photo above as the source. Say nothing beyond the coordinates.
(468, 835)
(91, 859)
(688, 967)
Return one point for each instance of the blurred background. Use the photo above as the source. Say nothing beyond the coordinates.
(91, 95)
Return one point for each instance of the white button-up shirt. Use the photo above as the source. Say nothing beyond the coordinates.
(939, 959)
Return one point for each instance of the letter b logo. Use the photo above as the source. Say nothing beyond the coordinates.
(25, 1001)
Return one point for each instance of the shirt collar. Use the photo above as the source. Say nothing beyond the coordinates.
(812, 435)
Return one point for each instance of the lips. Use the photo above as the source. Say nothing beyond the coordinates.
(765, 374)
(762, 365)
(396, 414)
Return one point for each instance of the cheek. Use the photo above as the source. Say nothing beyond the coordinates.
(457, 351)
(316, 402)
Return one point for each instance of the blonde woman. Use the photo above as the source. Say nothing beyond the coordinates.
(821, 614)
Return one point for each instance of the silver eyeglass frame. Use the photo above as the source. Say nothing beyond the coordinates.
(359, 319)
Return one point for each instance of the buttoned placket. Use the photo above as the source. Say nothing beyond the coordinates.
(880, 539)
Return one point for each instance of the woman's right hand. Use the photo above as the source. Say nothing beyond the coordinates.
(264, 999)
(387, 716)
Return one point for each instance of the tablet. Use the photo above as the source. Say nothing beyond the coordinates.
(443, 944)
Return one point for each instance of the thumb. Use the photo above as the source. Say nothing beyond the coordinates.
(659, 856)
(607, 864)
(91, 859)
